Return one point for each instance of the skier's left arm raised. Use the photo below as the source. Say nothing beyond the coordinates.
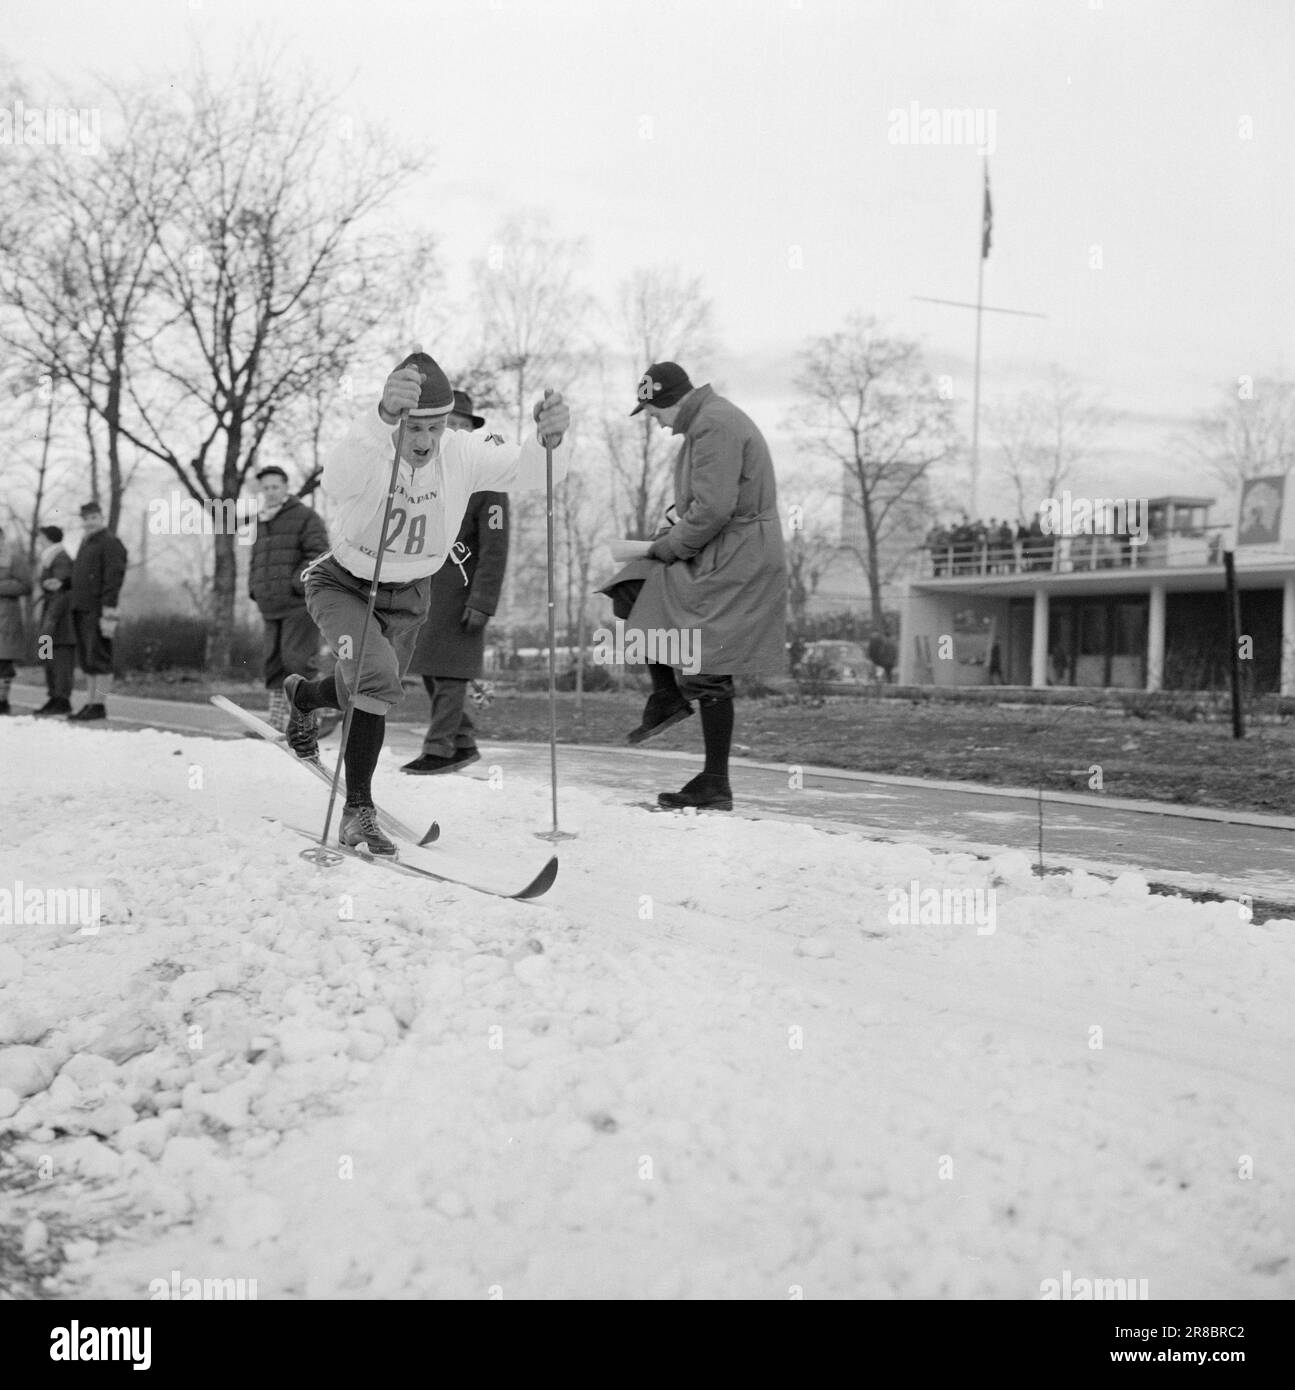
(497, 468)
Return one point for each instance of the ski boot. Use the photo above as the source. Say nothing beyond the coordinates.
(360, 830)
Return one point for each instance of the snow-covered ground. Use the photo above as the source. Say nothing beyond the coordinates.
(711, 1063)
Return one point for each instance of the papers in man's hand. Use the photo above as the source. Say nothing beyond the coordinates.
(624, 551)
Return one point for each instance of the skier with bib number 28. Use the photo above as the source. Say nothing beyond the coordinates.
(438, 473)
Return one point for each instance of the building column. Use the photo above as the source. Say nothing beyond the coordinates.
(1288, 638)
(1156, 637)
(905, 639)
(1039, 646)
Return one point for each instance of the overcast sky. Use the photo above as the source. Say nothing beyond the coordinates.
(751, 142)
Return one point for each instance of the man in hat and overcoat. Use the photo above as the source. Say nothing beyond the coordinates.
(714, 583)
(450, 650)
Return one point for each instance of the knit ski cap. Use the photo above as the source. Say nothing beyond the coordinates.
(664, 384)
(437, 395)
(52, 533)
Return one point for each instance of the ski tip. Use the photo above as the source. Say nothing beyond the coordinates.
(542, 881)
(433, 834)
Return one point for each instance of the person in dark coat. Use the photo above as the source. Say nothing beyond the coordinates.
(1005, 559)
(449, 651)
(714, 580)
(56, 635)
(98, 573)
(1040, 545)
(289, 535)
(15, 585)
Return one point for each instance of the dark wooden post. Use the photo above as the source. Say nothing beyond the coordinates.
(1234, 641)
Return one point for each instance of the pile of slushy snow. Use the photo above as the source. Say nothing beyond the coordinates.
(715, 1061)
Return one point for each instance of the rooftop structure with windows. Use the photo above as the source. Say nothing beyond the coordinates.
(1136, 602)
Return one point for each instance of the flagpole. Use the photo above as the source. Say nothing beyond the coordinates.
(975, 396)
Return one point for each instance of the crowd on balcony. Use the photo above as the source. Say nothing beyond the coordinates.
(1001, 547)
(990, 547)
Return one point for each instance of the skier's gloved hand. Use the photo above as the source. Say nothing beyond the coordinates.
(473, 620)
(401, 392)
(108, 623)
(553, 416)
(661, 550)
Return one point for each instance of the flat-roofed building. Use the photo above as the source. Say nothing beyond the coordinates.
(1105, 608)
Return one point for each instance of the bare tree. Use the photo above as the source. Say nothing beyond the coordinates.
(224, 281)
(531, 314)
(1043, 436)
(869, 406)
(1250, 432)
(531, 311)
(660, 316)
(582, 521)
(78, 271)
(812, 545)
(37, 476)
(421, 317)
(33, 471)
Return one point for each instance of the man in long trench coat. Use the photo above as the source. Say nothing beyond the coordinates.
(711, 597)
(450, 650)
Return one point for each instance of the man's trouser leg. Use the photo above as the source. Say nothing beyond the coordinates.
(298, 644)
(467, 734)
(449, 713)
(291, 649)
(94, 651)
(337, 602)
(277, 715)
(274, 672)
(59, 672)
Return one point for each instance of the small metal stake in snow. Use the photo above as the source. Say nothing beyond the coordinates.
(554, 833)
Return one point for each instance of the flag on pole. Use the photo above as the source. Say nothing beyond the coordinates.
(987, 220)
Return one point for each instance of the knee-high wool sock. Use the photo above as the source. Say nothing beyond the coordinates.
(717, 735)
(363, 744)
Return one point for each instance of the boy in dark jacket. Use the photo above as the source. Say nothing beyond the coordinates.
(450, 649)
(289, 535)
(56, 636)
(98, 573)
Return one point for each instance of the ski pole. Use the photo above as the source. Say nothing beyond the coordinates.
(554, 833)
(321, 854)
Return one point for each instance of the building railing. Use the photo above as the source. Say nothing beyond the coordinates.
(1067, 555)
